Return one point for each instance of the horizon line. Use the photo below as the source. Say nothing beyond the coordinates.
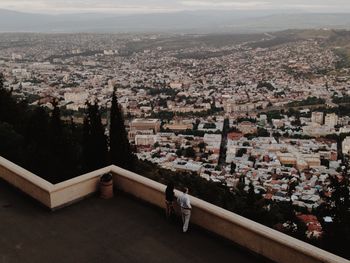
(174, 11)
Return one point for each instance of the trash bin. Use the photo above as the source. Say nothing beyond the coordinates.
(106, 186)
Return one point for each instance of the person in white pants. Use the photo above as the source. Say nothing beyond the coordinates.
(185, 204)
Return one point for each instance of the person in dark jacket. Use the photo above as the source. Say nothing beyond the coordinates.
(169, 200)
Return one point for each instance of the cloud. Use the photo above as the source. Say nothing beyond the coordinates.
(218, 4)
(144, 6)
(79, 6)
(309, 5)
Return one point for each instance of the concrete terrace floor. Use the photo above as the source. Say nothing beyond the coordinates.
(118, 230)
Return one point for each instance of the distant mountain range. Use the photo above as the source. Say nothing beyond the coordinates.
(186, 22)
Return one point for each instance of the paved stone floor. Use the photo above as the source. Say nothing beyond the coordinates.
(118, 230)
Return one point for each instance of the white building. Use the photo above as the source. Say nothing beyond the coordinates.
(145, 140)
(180, 165)
(20, 73)
(213, 141)
(317, 117)
(331, 120)
(145, 124)
(76, 96)
(346, 146)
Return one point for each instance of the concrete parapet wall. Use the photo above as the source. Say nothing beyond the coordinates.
(249, 234)
(139, 186)
(27, 182)
(72, 190)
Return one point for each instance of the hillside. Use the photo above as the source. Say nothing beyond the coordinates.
(338, 40)
(190, 21)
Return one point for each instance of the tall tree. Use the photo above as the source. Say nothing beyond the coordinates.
(38, 152)
(12, 111)
(63, 147)
(233, 168)
(86, 141)
(57, 145)
(1, 81)
(120, 150)
(55, 121)
(94, 141)
(7, 103)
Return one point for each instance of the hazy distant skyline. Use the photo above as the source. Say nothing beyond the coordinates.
(152, 6)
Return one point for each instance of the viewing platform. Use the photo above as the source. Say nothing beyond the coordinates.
(131, 227)
(121, 229)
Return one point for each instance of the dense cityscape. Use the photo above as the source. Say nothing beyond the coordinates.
(263, 113)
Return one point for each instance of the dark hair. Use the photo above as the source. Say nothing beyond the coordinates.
(170, 186)
(169, 192)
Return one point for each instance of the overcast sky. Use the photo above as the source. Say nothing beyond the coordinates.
(151, 6)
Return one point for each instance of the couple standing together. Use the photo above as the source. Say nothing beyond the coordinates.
(184, 202)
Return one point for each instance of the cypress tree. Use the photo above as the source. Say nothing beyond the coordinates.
(56, 144)
(63, 148)
(232, 168)
(56, 123)
(12, 111)
(38, 152)
(86, 148)
(95, 141)
(7, 104)
(1, 81)
(99, 137)
(120, 150)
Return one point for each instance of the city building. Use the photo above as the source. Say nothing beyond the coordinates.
(317, 117)
(331, 120)
(346, 146)
(247, 127)
(145, 124)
